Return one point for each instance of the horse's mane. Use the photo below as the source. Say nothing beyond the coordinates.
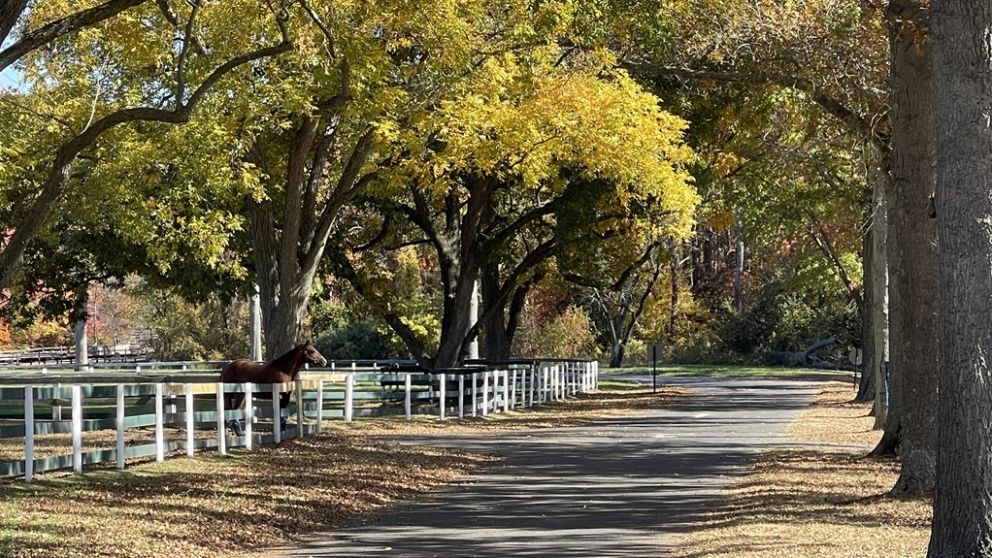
(289, 356)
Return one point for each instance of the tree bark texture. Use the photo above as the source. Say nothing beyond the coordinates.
(287, 249)
(912, 250)
(885, 404)
(962, 80)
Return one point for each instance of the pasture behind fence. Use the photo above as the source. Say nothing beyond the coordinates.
(153, 410)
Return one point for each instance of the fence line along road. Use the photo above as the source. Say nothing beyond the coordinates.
(156, 409)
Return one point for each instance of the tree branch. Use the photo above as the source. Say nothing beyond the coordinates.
(59, 28)
(61, 168)
(830, 104)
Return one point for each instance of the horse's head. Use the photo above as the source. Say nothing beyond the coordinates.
(312, 356)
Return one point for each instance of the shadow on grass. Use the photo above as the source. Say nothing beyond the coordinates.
(213, 505)
(794, 500)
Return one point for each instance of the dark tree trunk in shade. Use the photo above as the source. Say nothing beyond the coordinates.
(962, 80)
(912, 249)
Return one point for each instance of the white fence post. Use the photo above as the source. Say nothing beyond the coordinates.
(119, 425)
(475, 393)
(349, 395)
(28, 433)
(443, 394)
(506, 390)
(159, 425)
(77, 429)
(461, 396)
(320, 405)
(513, 389)
(531, 387)
(408, 401)
(190, 422)
(221, 423)
(299, 408)
(485, 393)
(276, 414)
(249, 415)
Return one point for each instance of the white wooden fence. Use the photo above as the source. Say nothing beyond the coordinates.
(185, 413)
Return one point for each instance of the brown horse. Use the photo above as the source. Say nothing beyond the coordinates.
(284, 369)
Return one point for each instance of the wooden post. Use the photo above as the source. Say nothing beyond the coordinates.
(475, 393)
(442, 379)
(349, 394)
(249, 415)
(190, 422)
(485, 393)
(408, 402)
(28, 433)
(461, 396)
(159, 425)
(119, 425)
(276, 414)
(299, 408)
(77, 429)
(221, 426)
(320, 405)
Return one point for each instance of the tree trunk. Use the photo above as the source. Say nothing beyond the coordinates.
(912, 250)
(738, 269)
(880, 295)
(962, 80)
(496, 342)
(79, 318)
(866, 389)
(617, 354)
(473, 318)
(255, 325)
(458, 288)
(673, 311)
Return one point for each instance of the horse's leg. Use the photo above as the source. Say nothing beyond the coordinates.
(234, 401)
(283, 404)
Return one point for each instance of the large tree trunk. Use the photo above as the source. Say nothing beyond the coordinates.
(496, 342)
(458, 286)
(912, 247)
(962, 80)
(287, 257)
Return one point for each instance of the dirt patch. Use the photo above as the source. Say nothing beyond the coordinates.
(822, 501)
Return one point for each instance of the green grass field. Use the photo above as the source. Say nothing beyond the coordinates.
(734, 371)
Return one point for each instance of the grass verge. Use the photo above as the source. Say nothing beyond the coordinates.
(735, 371)
(211, 506)
(820, 500)
(616, 398)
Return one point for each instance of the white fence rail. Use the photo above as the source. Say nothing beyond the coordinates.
(118, 414)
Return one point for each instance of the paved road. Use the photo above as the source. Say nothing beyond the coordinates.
(621, 487)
